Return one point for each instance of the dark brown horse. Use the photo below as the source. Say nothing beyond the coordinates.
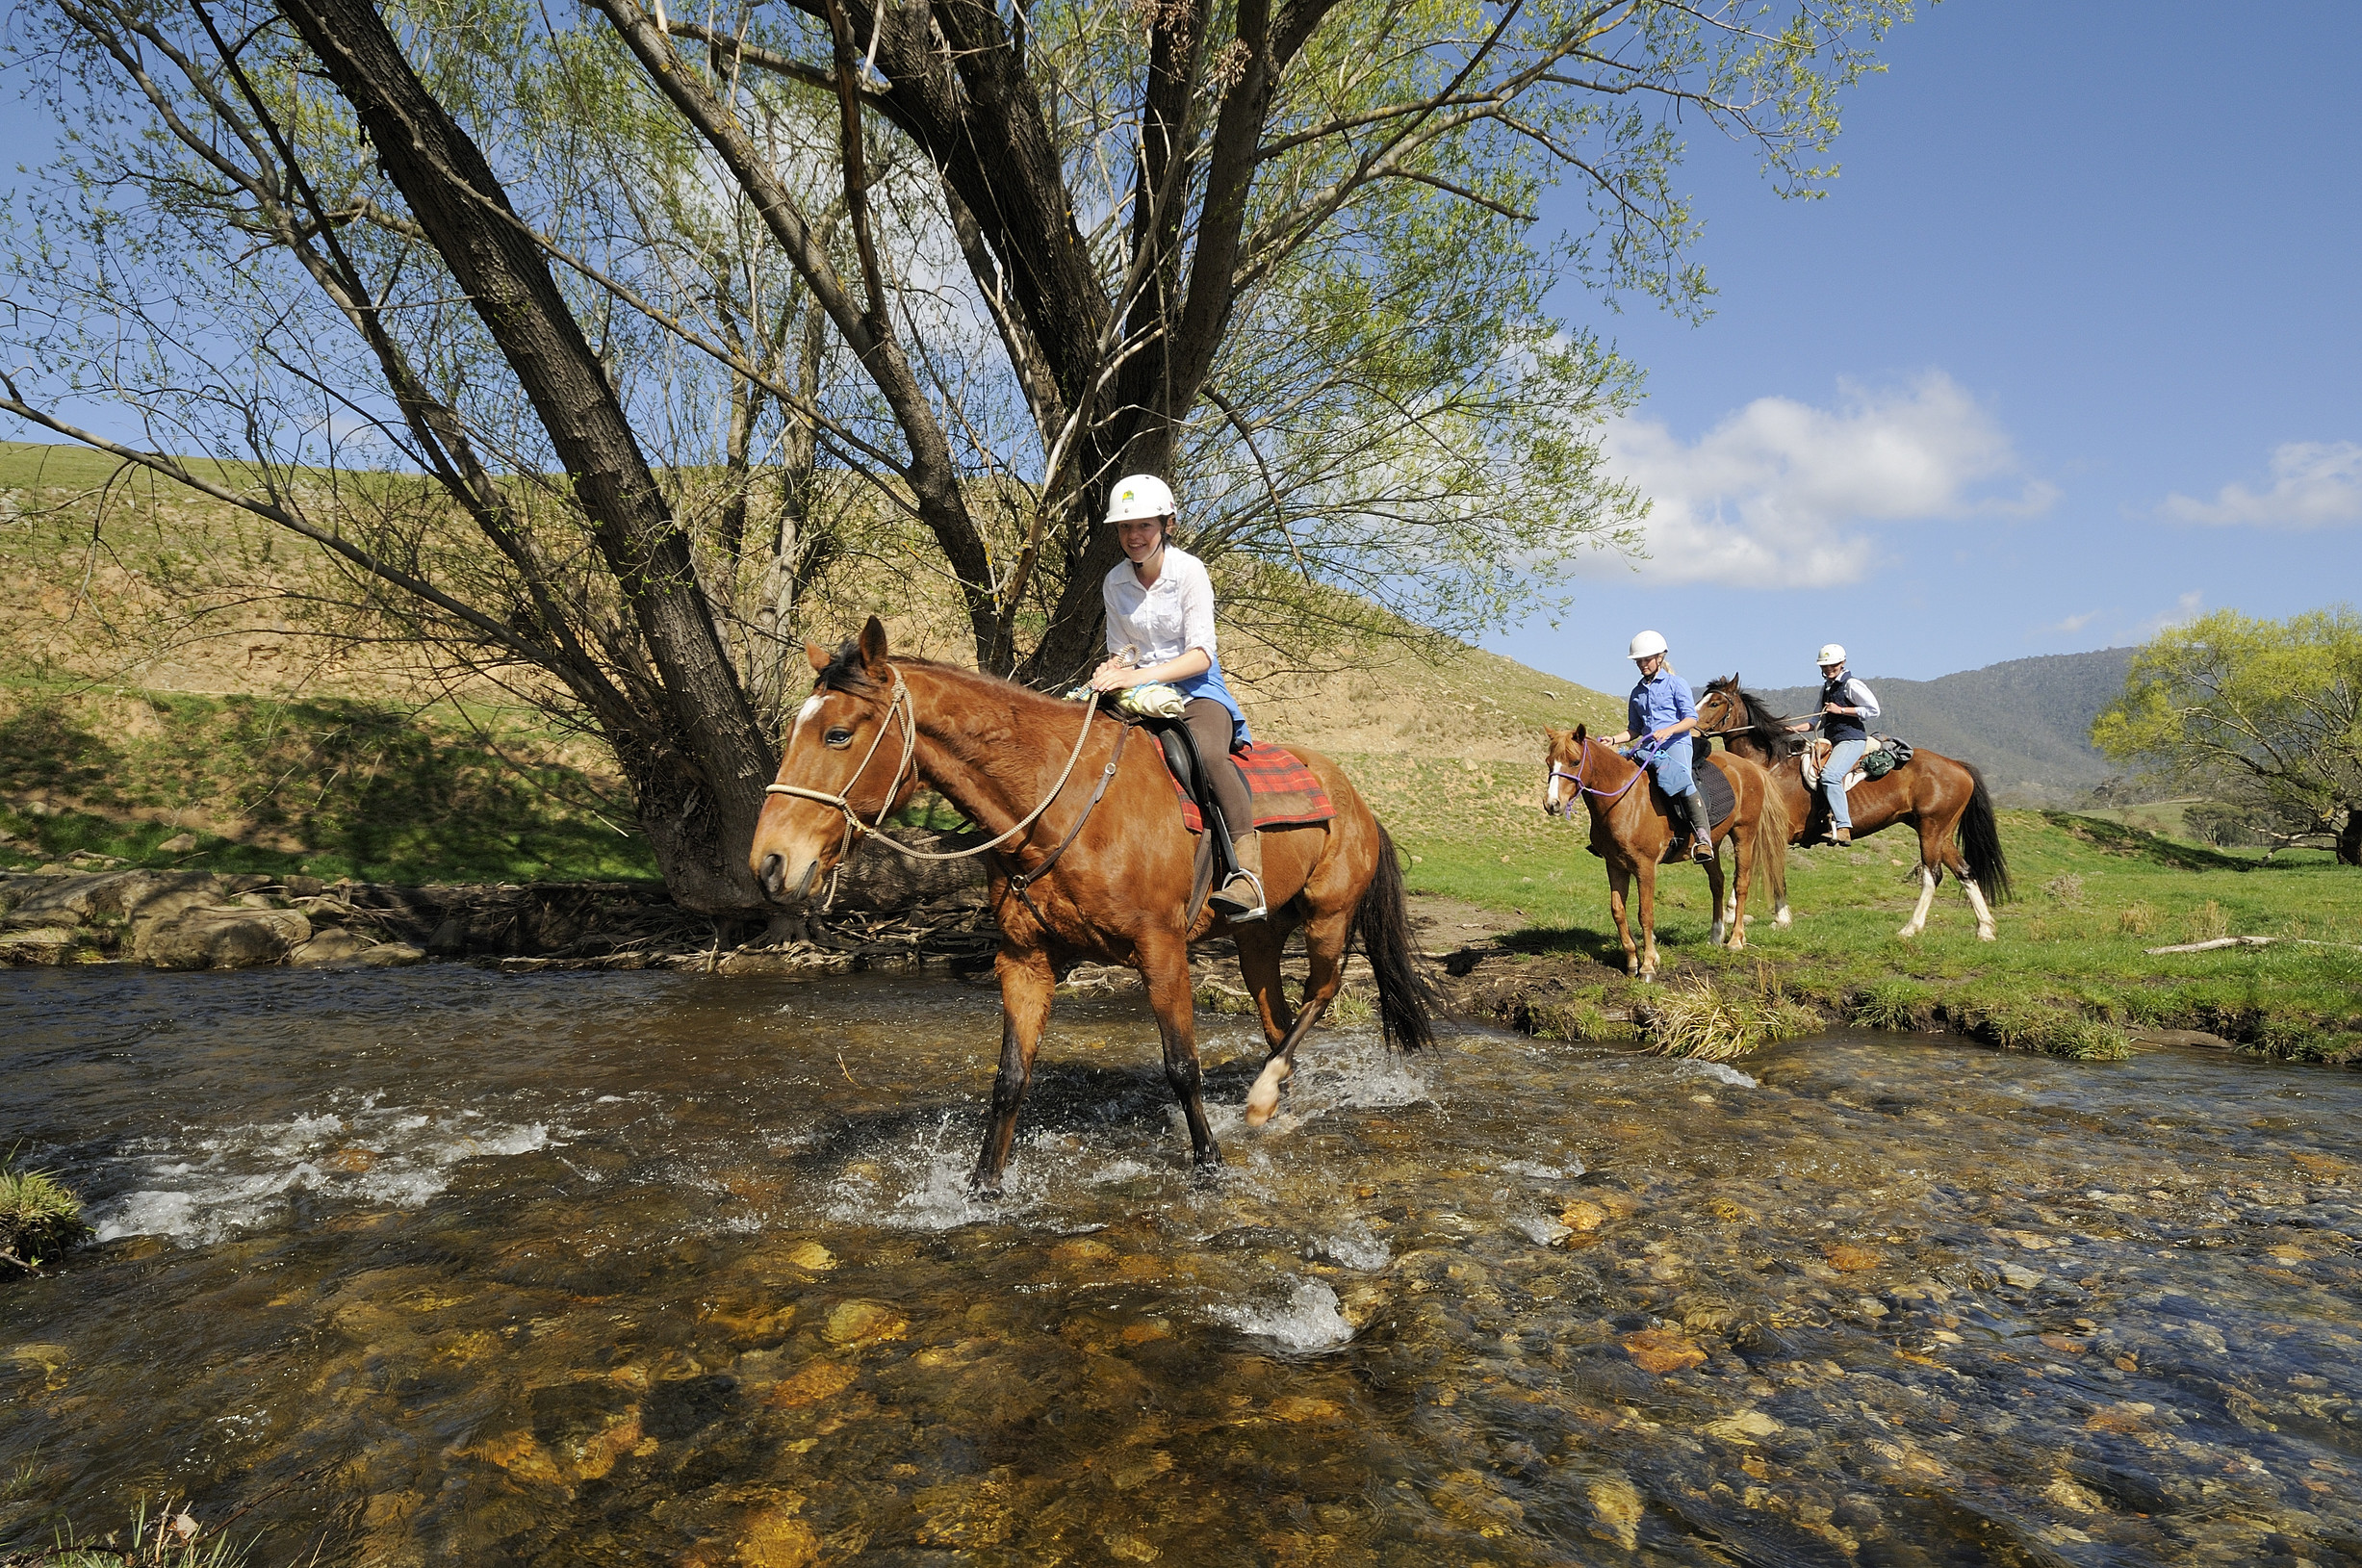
(1632, 828)
(1943, 798)
(1097, 864)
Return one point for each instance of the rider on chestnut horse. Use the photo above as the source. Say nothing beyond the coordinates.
(1846, 703)
(1659, 717)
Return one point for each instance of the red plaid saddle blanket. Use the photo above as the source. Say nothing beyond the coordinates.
(1285, 793)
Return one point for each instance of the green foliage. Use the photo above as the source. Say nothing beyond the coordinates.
(2267, 713)
(160, 1535)
(1892, 1003)
(38, 1218)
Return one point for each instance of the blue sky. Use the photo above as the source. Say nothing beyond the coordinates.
(2072, 346)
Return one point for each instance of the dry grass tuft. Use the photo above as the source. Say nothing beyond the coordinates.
(2138, 918)
(1700, 1020)
(2206, 922)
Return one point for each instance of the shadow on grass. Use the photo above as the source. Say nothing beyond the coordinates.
(2117, 839)
(332, 786)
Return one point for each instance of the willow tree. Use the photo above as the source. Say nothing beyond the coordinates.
(2262, 714)
(513, 310)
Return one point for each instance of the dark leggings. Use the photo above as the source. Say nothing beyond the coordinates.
(1209, 726)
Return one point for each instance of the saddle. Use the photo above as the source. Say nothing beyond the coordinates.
(1885, 755)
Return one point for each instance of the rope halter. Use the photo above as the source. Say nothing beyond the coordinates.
(898, 704)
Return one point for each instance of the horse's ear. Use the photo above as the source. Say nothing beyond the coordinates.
(818, 654)
(1549, 735)
(873, 646)
(1578, 735)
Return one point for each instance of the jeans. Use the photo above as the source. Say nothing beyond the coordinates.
(1672, 767)
(1841, 760)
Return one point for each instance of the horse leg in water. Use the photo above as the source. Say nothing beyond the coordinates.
(1325, 938)
(1027, 985)
(1166, 966)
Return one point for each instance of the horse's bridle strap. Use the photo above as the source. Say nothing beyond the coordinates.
(899, 702)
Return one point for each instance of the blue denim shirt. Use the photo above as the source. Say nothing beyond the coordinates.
(1658, 702)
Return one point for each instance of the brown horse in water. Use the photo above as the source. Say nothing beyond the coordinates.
(1945, 799)
(1086, 878)
(1632, 830)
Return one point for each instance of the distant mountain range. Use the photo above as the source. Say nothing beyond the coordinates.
(2025, 724)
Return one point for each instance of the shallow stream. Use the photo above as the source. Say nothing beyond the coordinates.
(447, 1264)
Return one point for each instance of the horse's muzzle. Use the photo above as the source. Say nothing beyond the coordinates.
(773, 875)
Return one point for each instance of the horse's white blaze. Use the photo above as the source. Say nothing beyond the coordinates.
(811, 705)
(1976, 902)
(1927, 896)
(1264, 1098)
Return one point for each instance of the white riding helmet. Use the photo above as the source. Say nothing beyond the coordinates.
(1140, 495)
(1831, 654)
(1647, 644)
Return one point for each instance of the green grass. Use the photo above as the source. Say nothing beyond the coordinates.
(38, 1218)
(326, 787)
(2068, 975)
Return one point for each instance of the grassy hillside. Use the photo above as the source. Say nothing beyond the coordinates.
(2026, 724)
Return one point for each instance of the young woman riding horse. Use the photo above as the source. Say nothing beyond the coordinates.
(1946, 800)
(1631, 833)
(1090, 859)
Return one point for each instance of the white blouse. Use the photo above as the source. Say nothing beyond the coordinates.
(1166, 621)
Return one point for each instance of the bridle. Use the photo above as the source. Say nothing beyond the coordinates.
(898, 704)
(1582, 760)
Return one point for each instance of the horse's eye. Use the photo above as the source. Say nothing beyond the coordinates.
(839, 737)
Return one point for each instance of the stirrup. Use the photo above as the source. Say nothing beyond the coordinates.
(1232, 910)
(1700, 848)
(1842, 837)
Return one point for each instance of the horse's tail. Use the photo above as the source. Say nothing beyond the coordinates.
(1772, 827)
(1382, 923)
(1980, 842)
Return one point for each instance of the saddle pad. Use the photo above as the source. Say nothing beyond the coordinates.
(1721, 800)
(1284, 792)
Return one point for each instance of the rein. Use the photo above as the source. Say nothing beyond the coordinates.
(899, 702)
(1584, 761)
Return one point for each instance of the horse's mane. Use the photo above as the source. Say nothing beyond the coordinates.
(1765, 726)
(847, 672)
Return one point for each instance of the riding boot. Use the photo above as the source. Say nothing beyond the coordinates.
(1701, 825)
(1241, 899)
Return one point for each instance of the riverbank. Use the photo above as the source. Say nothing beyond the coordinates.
(2092, 959)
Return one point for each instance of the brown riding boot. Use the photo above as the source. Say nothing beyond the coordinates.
(1241, 899)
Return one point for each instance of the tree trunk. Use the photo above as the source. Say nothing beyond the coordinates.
(2350, 838)
(705, 801)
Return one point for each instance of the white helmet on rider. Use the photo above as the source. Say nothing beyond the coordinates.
(1138, 496)
(1831, 654)
(1648, 645)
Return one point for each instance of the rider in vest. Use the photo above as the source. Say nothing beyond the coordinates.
(1847, 703)
(1160, 602)
(1661, 714)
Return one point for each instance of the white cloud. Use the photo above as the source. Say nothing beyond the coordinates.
(2314, 484)
(2074, 623)
(1776, 495)
(2185, 611)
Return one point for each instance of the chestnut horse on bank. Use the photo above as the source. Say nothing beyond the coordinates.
(1631, 832)
(1108, 879)
(1945, 799)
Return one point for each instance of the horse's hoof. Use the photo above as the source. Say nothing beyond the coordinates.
(1984, 935)
(1262, 1099)
(1908, 932)
(1783, 919)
